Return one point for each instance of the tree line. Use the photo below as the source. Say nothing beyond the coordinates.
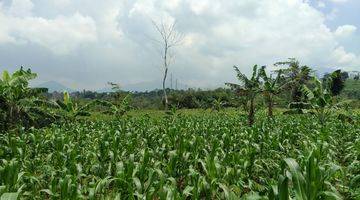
(294, 87)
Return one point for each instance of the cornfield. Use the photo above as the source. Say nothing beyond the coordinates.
(184, 156)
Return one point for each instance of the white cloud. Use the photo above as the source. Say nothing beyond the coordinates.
(345, 30)
(321, 4)
(115, 35)
(342, 57)
(61, 35)
(220, 35)
(172, 5)
(21, 8)
(199, 6)
(332, 15)
(339, 1)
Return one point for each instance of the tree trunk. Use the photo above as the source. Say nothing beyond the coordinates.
(11, 116)
(251, 116)
(245, 107)
(296, 94)
(164, 89)
(270, 107)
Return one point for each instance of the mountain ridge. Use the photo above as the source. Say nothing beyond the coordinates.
(54, 86)
(135, 87)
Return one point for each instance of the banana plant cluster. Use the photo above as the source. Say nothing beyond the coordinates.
(20, 104)
(320, 99)
(218, 105)
(71, 110)
(259, 83)
(307, 91)
(193, 156)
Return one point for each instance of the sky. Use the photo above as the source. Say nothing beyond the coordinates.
(83, 44)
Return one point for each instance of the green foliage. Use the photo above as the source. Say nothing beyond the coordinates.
(9, 196)
(335, 82)
(295, 77)
(121, 109)
(21, 105)
(271, 88)
(320, 99)
(181, 154)
(71, 110)
(308, 184)
(218, 105)
(187, 156)
(248, 88)
(298, 108)
(352, 89)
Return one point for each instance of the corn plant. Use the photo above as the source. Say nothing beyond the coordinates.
(195, 155)
(308, 184)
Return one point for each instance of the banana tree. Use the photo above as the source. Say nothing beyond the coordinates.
(270, 88)
(217, 105)
(119, 109)
(249, 88)
(296, 76)
(20, 104)
(71, 110)
(335, 81)
(320, 99)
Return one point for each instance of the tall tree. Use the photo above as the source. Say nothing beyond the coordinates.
(249, 88)
(296, 76)
(169, 38)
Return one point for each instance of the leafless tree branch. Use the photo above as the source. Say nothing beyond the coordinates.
(170, 38)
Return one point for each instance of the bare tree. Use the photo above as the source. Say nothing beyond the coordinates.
(169, 39)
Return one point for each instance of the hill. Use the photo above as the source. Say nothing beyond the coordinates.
(55, 86)
(146, 86)
(352, 89)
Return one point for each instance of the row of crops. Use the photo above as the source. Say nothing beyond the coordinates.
(189, 156)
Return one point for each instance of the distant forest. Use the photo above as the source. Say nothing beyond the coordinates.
(197, 98)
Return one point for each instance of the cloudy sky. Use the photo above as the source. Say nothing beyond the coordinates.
(86, 43)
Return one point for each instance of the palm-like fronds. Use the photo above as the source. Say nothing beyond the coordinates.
(271, 87)
(249, 88)
(246, 84)
(295, 77)
(320, 99)
(20, 103)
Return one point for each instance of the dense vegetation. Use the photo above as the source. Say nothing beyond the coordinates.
(197, 98)
(187, 155)
(295, 136)
(351, 89)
